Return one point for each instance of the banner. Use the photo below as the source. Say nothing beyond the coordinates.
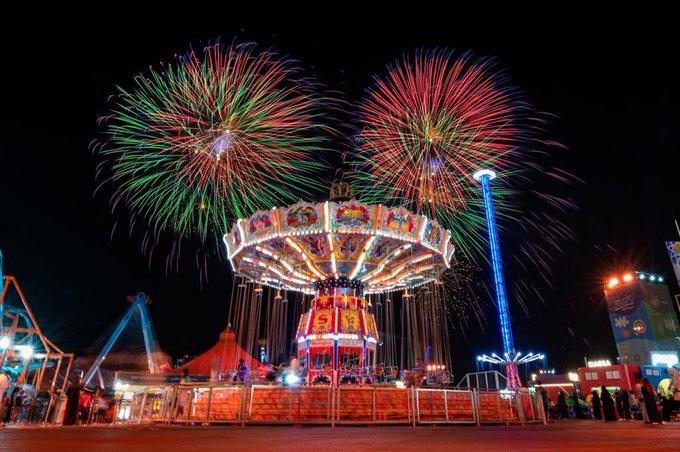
(674, 253)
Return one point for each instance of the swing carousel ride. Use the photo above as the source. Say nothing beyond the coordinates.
(339, 251)
(208, 147)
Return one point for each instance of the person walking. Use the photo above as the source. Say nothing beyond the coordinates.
(608, 408)
(545, 397)
(72, 401)
(597, 406)
(625, 400)
(4, 399)
(578, 410)
(102, 405)
(649, 397)
(618, 398)
(562, 406)
(640, 399)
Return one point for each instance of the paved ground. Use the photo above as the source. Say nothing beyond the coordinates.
(573, 435)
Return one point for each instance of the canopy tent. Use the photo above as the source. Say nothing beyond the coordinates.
(221, 358)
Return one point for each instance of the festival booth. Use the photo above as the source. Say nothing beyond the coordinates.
(617, 376)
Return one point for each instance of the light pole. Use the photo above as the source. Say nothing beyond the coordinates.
(484, 177)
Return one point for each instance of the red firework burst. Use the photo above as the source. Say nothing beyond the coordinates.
(431, 123)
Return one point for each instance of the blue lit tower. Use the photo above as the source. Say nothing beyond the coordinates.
(484, 177)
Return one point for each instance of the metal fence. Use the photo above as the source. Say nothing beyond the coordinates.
(290, 405)
(208, 403)
(445, 406)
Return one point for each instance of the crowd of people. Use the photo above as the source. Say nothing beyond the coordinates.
(602, 404)
(346, 374)
(21, 403)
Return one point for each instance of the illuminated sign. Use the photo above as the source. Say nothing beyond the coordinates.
(668, 359)
(599, 363)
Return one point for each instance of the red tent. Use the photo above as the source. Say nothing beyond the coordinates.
(221, 358)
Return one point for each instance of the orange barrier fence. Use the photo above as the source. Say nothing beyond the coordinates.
(209, 403)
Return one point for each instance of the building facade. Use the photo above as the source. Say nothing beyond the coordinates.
(642, 317)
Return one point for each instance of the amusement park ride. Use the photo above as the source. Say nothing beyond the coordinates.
(25, 351)
(510, 358)
(138, 305)
(339, 251)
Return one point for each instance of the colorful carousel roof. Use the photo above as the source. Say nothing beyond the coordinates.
(309, 246)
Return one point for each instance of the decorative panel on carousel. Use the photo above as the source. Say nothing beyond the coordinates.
(260, 224)
(301, 217)
(434, 234)
(352, 215)
(349, 321)
(399, 221)
(323, 321)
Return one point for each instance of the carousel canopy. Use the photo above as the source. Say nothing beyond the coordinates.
(311, 246)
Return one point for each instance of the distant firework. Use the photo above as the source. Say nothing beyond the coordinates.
(210, 137)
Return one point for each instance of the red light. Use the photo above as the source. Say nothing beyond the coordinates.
(627, 277)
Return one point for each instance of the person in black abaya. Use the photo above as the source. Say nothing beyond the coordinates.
(597, 406)
(562, 406)
(626, 404)
(618, 398)
(578, 411)
(72, 399)
(608, 408)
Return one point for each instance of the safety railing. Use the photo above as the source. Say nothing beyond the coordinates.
(531, 407)
(290, 405)
(146, 405)
(207, 403)
(445, 406)
(496, 407)
(373, 405)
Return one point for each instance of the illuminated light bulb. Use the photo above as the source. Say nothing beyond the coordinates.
(613, 282)
(652, 278)
(627, 277)
(642, 276)
(659, 278)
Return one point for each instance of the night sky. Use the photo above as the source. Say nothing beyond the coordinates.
(609, 78)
